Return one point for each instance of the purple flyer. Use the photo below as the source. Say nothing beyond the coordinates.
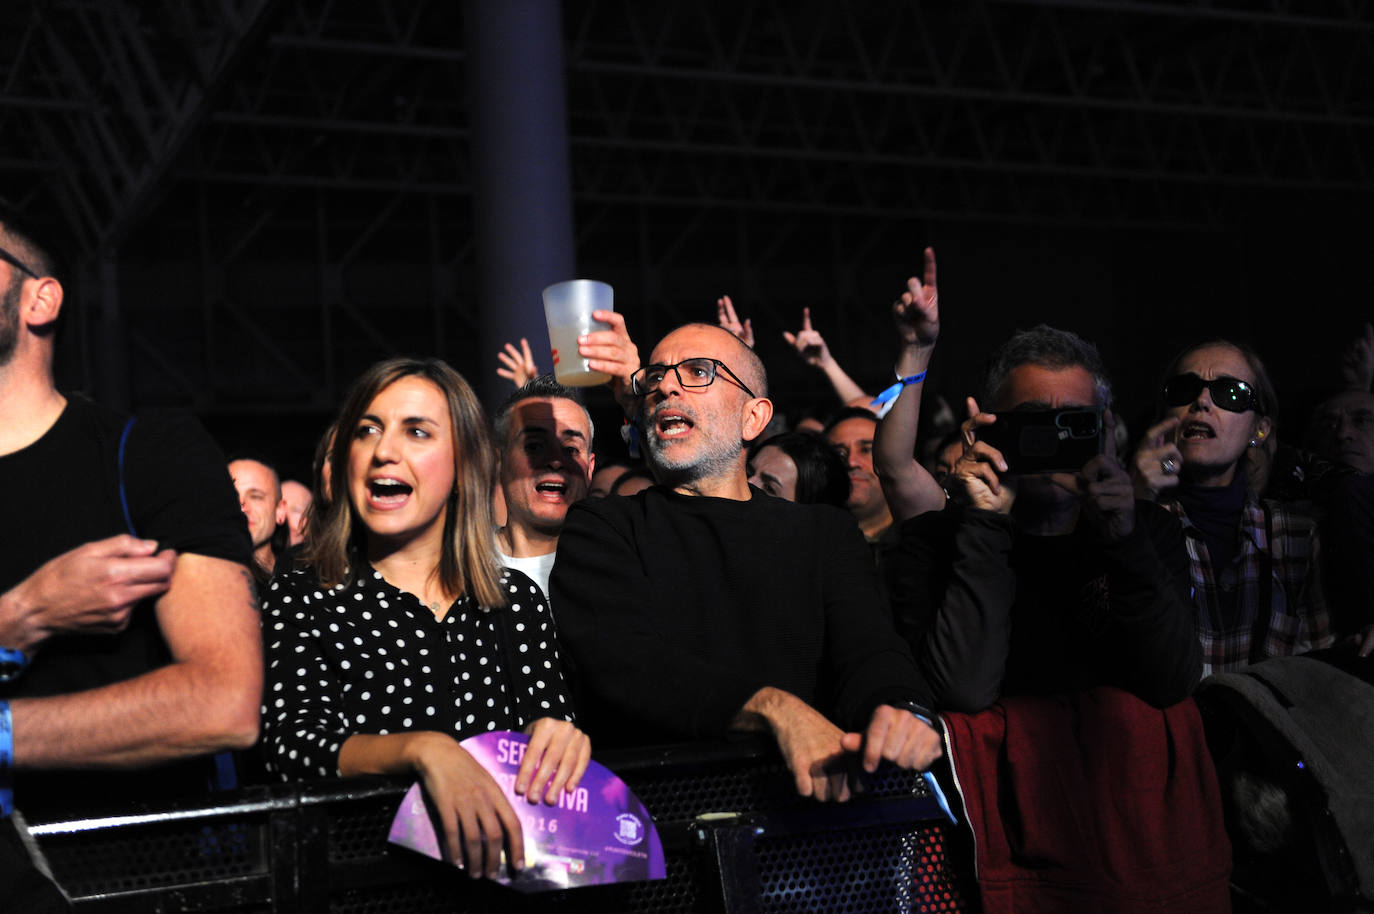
(599, 833)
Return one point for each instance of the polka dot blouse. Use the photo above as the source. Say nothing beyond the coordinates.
(367, 657)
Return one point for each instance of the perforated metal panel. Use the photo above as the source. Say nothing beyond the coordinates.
(894, 870)
(358, 830)
(154, 856)
(325, 843)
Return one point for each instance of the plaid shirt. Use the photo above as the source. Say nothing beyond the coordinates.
(1296, 619)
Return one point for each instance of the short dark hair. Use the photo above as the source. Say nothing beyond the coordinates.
(34, 241)
(629, 476)
(254, 455)
(545, 385)
(844, 415)
(822, 476)
(1049, 347)
(317, 462)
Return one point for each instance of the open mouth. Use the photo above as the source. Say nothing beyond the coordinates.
(387, 491)
(672, 424)
(551, 487)
(1195, 431)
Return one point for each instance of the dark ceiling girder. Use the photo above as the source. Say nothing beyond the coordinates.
(192, 108)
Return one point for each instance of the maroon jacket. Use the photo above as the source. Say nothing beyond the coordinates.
(1091, 801)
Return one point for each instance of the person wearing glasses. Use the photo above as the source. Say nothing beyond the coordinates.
(1252, 560)
(129, 646)
(702, 605)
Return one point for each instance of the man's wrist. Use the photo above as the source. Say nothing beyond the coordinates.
(914, 357)
(763, 709)
(918, 710)
(17, 631)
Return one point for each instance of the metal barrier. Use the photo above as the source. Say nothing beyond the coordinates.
(736, 836)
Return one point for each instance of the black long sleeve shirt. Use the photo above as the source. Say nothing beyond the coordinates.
(676, 609)
(990, 610)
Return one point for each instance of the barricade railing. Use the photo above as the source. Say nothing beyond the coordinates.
(736, 836)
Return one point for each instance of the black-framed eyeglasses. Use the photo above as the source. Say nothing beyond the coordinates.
(690, 373)
(15, 262)
(1230, 394)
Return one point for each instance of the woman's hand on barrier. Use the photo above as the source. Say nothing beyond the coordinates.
(556, 757)
(477, 818)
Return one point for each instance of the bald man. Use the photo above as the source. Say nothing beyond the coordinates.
(702, 606)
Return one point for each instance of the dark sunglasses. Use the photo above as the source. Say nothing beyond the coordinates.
(1230, 394)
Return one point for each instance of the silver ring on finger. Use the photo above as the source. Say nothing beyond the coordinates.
(1168, 466)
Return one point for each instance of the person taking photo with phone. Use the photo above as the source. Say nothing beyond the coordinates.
(1032, 582)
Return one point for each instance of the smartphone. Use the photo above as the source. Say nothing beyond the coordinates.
(1046, 440)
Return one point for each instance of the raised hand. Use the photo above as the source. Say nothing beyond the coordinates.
(556, 757)
(1157, 460)
(729, 320)
(90, 589)
(809, 343)
(917, 312)
(1106, 490)
(977, 469)
(518, 364)
(614, 353)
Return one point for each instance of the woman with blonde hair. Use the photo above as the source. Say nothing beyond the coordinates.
(1253, 561)
(403, 635)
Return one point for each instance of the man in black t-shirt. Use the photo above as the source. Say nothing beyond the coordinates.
(702, 605)
(127, 614)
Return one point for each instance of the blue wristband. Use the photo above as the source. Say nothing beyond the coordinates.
(882, 402)
(6, 760)
(12, 663)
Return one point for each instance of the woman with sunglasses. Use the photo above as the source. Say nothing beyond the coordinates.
(404, 636)
(1252, 560)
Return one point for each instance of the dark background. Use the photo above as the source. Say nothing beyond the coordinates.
(265, 197)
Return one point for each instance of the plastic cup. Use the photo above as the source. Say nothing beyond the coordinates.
(568, 308)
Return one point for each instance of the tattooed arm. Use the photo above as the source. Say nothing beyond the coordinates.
(206, 699)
